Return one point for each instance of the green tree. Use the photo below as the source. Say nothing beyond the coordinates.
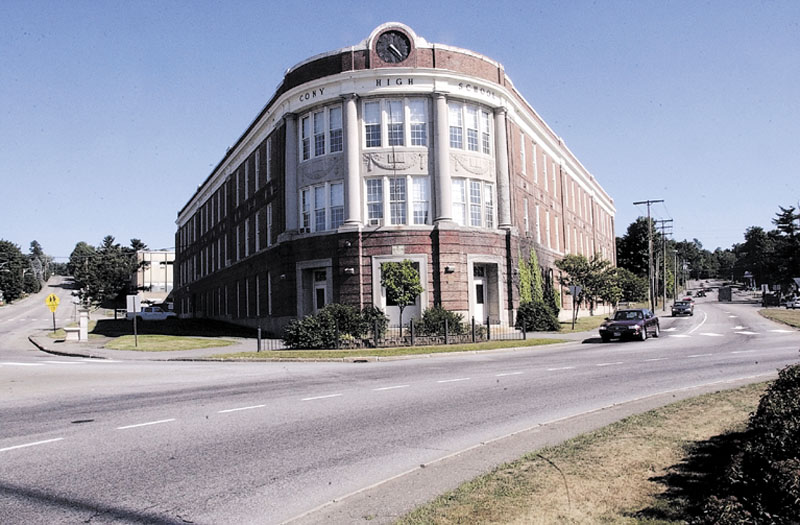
(13, 266)
(402, 284)
(632, 248)
(633, 287)
(103, 273)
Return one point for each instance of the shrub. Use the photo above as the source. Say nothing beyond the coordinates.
(320, 330)
(432, 322)
(536, 316)
(370, 315)
(762, 484)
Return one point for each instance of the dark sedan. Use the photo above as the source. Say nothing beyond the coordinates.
(682, 308)
(633, 323)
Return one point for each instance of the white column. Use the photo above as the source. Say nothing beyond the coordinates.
(290, 174)
(501, 156)
(442, 184)
(352, 182)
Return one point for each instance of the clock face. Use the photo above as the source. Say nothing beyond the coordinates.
(393, 47)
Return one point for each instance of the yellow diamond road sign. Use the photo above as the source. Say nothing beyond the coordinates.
(52, 302)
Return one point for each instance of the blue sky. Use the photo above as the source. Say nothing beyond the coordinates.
(112, 112)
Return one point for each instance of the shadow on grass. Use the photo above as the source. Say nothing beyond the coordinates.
(688, 484)
(182, 327)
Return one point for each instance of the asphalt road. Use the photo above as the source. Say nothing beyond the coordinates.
(170, 442)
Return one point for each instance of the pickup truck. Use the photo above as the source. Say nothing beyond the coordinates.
(151, 313)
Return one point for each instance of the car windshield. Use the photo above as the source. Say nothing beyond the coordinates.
(680, 303)
(628, 315)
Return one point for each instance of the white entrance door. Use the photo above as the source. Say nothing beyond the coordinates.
(320, 289)
(479, 285)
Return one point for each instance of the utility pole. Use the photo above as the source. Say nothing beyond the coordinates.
(650, 250)
(663, 225)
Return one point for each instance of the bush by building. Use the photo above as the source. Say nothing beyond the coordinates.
(334, 326)
(536, 316)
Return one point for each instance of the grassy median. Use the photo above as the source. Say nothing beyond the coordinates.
(782, 315)
(632, 472)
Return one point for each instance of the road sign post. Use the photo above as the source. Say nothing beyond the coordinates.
(52, 301)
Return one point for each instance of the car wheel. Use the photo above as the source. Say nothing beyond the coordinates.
(605, 338)
(643, 334)
(657, 332)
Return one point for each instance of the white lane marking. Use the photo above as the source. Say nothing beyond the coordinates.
(21, 364)
(509, 374)
(64, 362)
(240, 408)
(668, 329)
(560, 368)
(389, 388)
(698, 355)
(320, 397)
(705, 318)
(30, 444)
(743, 351)
(782, 331)
(609, 364)
(454, 380)
(679, 335)
(146, 424)
(745, 332)
(658, 359)
(99, 361)
(738, 327)
(711, 334)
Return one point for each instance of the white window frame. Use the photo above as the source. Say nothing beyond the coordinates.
(463, 203)
(309, 208)
(458, 121)
(310, 137)
(408, 120)
(414, 203)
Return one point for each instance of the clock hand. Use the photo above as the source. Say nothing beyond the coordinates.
(396, 51)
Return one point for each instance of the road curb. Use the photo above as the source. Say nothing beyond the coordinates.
(46, 350)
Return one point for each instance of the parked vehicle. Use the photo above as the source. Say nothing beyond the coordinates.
(792, 303)
(701, 293)
(682, 308)
(632, 323)
(151, 313)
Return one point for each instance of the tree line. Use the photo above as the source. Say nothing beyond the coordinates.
(22, 274)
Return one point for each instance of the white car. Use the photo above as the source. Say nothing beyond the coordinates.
(792, 303)
(151, 313)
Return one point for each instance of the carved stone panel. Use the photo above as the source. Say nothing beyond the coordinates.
(322, 169)
(463, 165)
(388, 162)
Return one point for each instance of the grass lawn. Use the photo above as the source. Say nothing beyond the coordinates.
(583, 324)
(61, 334)
(782, 315)
(385, 352)
(165, 343)
(627, 473)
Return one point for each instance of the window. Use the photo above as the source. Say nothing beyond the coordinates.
(400, 121)
(337, 205)
(522, 153)
(535, 166)
(325, 125)
(305, 210)
(396, 125)
(397, 200)
(485, 133)
(269, 159)
(469, 120)
(547, 228)
(421, 197)
(538, 226)
(372, 124)
(419, 122)
(558, 236)
(335, 125)
(258, 230)
(327, 202)
(319, 208)
(456, 124)
(525, 219)
(375, 201)
(544, 173)
(319, 133)
(305, 137)
(459, 200)
(472, 128)
(269, 224)
(473, 203)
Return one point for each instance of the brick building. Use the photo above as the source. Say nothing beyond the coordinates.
(392, 149)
